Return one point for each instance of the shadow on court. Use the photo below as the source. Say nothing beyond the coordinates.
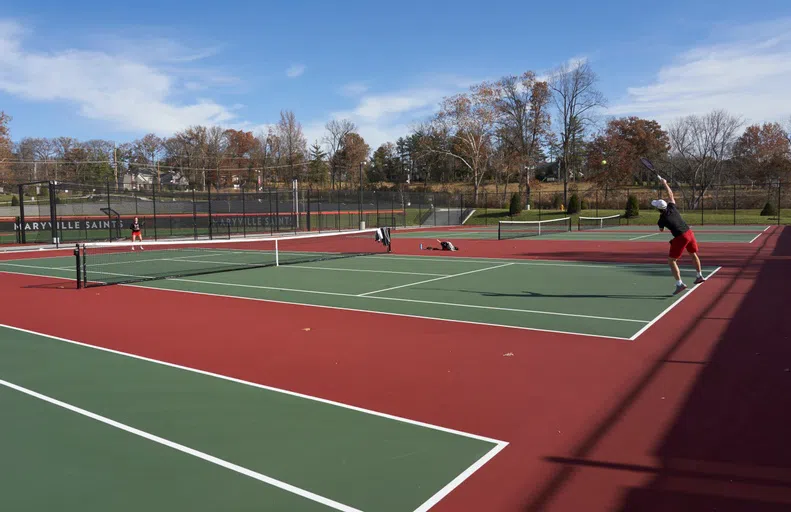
(727, 448)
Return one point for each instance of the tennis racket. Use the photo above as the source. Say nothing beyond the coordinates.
(650, 166)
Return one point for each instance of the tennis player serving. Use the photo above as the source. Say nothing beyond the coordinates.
(135, 227)
(683, 237)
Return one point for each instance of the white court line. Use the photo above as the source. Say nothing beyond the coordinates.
(297, 266)
(644, 236)
(667, 310)
(185, 449)
(435, 279)
(339, 308)
(759, 234)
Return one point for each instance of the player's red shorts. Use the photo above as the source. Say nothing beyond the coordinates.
(137, 234)
(686, 241)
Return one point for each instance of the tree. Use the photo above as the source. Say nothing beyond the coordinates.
(317, 167)
(463, 129)
(521, 105)
(576, 99)
(337, 130)
(385, 165)
(240, 147)
(6, 149)
(621, 145)
(764, 151)
(700, 146)
(293, 143)
(353, 152)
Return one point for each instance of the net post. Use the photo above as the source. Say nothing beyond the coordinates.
(84, 267)
(22, 214)
(79, 266)
(277, 254)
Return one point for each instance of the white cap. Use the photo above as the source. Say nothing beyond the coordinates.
(659, 203)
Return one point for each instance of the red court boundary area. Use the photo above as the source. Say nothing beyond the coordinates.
(692, 416)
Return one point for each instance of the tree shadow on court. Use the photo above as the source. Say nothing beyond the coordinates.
(728, 448)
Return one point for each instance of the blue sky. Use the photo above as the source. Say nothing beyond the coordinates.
(90, 69)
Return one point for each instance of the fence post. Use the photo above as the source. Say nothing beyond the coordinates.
(22, 214)
(244, 215)
(211, 228)
(109, 211)
(734, 204)
(53, 211)
(154, 198)
(779, 186)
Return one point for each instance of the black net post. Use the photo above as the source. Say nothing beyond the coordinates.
(79, 266)
(338, 199)
(84, 267)
(21, 214)
(208, 194)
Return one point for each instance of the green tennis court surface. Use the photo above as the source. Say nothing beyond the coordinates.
(94, 430)
(612, 300)
(638, 233)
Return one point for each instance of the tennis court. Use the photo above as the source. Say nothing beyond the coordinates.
(601, 299)
(185, 439)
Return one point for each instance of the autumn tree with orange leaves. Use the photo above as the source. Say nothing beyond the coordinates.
(764, 152)
(621, 145)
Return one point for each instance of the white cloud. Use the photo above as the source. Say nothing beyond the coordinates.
(295, 71)
(130, 93)
(748, 75)
(354, 89)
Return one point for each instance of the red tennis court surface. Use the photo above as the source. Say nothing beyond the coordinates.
(693, 416)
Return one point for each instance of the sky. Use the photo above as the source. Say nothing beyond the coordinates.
(93, 70)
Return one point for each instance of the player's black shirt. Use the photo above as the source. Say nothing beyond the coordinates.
(671, 219)
(135, 226)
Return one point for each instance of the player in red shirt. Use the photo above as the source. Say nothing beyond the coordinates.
(683, 237)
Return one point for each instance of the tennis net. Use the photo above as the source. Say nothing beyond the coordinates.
(508, 229)
(127, 262)
(586, 223)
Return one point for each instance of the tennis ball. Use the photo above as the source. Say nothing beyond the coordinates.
(604, 162)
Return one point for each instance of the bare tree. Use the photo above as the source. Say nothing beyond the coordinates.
(334, 139)
(294, 144)
(576, 99)
(700, 145)
(463, 129)
(521, 104)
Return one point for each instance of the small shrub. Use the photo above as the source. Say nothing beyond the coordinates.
(769, 210)
(557, 201)
(515, 208)
(14, 201)
(632, 207)
(574, 204)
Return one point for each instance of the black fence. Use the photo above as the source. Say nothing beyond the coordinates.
(57, 212)
(740, 203)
